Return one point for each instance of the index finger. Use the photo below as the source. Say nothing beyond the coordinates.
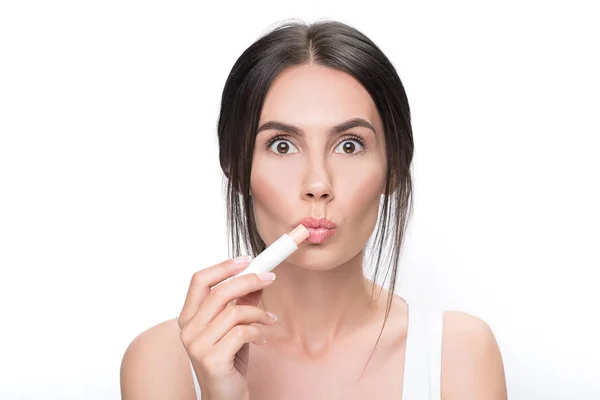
(203, 280)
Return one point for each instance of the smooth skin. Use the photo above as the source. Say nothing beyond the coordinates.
(326, 329)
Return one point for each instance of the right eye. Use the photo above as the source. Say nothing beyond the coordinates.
(281, 147)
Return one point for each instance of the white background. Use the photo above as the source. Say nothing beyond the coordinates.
(110, 187)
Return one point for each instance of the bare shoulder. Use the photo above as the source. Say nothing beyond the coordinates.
(472, 366)
(155, 365)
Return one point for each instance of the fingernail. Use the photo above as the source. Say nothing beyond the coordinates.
(272, 316)
(267, 276)
(242, 259)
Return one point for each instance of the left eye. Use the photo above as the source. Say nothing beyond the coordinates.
(348, 146)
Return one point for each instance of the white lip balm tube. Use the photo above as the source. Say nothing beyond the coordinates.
(278, 251)
(273, 255)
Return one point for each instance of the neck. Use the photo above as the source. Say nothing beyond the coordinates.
(317, 308)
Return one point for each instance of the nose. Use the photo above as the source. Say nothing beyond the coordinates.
(317, 192)
(317, 186)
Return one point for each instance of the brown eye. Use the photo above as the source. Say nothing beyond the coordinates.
(349, 146)
(282, 147)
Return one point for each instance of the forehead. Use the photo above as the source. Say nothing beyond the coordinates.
(316, 96)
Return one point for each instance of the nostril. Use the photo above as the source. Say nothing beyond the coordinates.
(324, 196)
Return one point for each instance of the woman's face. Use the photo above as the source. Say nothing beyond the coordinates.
(316, 173)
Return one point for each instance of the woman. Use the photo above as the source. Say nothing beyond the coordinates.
(314, 124)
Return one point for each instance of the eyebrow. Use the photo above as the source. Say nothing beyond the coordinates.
(294, 130)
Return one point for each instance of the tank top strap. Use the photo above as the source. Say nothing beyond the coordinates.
(422, 364)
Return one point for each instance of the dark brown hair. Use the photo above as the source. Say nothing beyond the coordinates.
(334, 45)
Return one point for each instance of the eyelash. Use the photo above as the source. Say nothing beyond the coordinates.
(278, 136)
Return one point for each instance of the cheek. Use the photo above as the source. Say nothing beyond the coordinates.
(272, 187)
(360, 190)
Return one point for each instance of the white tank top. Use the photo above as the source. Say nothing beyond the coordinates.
(423, 359)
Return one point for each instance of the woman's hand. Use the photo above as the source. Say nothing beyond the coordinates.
(216, 330)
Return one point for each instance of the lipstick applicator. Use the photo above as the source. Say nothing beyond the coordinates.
(273, 255)
(278, 251)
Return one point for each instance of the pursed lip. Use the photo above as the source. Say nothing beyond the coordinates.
(319, 229)
(315, 223)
